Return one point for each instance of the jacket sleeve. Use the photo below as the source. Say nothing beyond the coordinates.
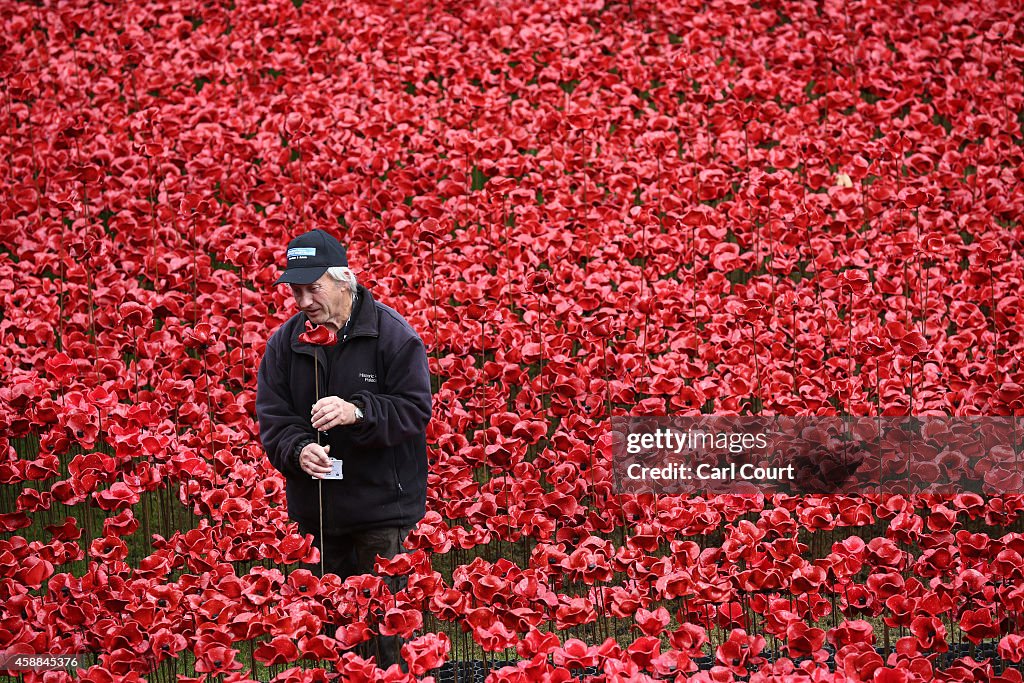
(402, 411)
(282, 432)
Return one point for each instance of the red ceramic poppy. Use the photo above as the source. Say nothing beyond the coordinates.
(198, 336)
(401, 622)
(804, 641)
(1011, 648)
(977, 624)
(426, 653)
(318, 335)
(575, 654)
(740, 651)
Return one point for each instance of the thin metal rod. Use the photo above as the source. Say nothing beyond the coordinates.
(320, 482)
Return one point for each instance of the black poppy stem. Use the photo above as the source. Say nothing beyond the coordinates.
(92, 302)
(606, 344)
(151, 199)
(135, 340)
(851, 366)
(540, 338)
(759, 401)
(433, 297)
(319, 482)
(209, 413)
(316, 389)
(302, 182)
(693, 272)
(878, 385)
(241, 320)
(195, 273)
(146, 502)
(60, 299)
(992, 312)
(508, 261)
(483, 384)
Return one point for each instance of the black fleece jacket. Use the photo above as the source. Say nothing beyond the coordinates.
(382, 364)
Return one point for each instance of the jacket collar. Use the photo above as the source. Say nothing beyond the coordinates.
(363, 323)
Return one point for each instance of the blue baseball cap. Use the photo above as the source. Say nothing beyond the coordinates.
(309, 256)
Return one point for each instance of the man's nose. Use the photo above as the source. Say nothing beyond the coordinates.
(300, 299)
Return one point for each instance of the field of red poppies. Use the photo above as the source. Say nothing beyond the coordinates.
(587, 209)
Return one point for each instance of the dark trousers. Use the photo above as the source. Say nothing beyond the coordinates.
(355, 553)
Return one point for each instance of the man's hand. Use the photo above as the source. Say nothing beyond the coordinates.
(331, 411)
(314, 461)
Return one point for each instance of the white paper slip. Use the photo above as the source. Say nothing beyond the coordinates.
(335, 470)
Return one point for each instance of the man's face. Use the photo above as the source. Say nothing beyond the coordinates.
(325, 302)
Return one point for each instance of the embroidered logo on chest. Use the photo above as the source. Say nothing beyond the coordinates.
(367, 377)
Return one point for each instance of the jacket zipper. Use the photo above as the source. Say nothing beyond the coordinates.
(322, 366)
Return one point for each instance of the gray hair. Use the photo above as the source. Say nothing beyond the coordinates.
(344, 275)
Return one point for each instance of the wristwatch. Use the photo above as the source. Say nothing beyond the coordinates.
(358, 411)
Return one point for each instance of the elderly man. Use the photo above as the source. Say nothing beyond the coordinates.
(373, 408)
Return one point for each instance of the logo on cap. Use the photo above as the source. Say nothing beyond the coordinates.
(301, 252)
